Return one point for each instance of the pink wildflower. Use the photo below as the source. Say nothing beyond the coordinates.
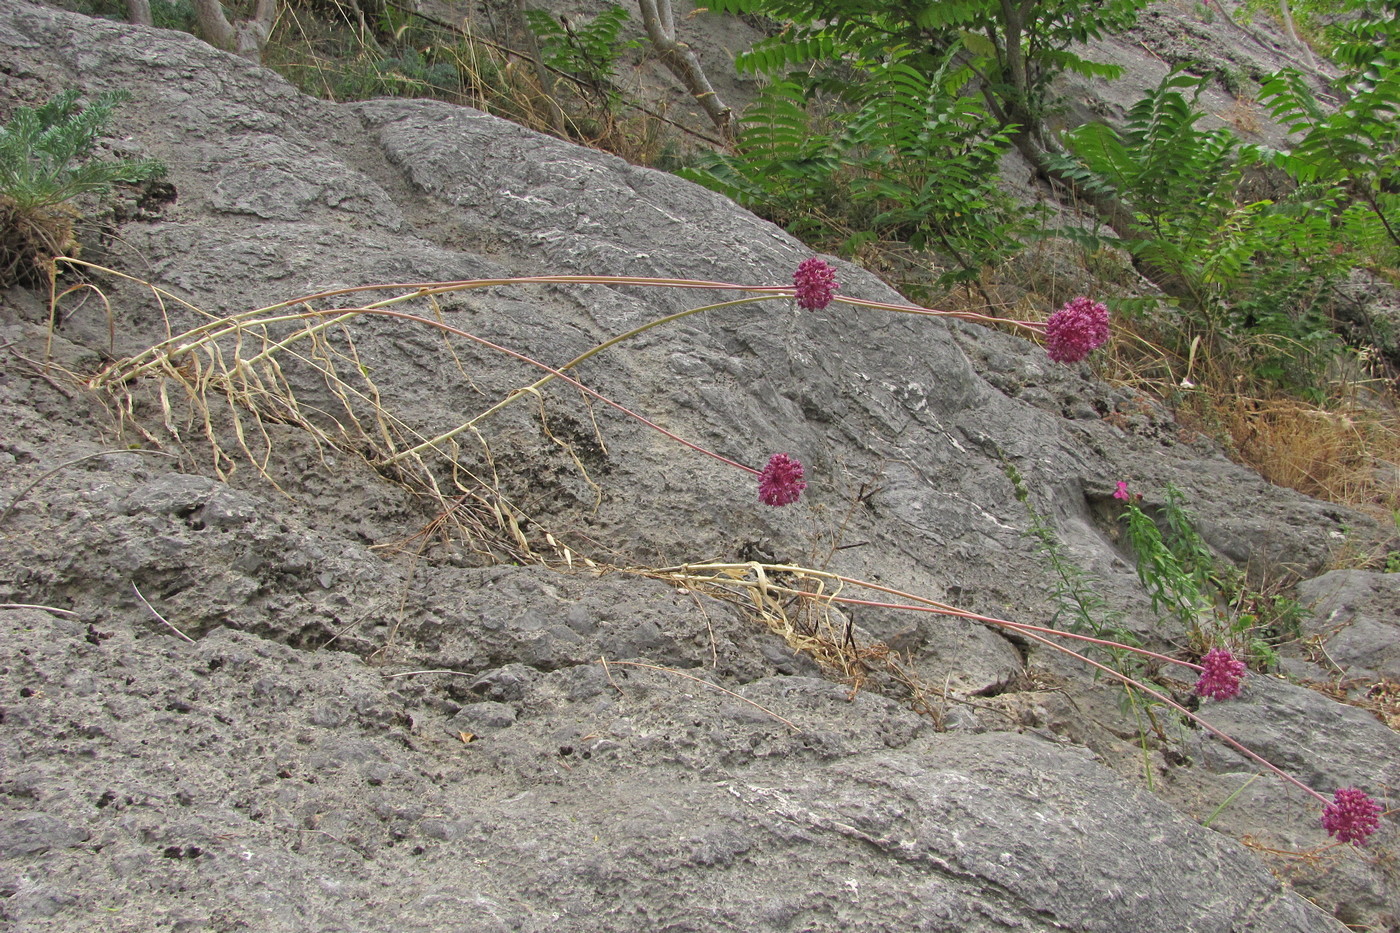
(1076, 329)
(1222, 675)
(1121, 491)
(816, 282)
(780, 483)
(1352, 816)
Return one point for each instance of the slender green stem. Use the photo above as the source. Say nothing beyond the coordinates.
(447, 436)
(1228, 800)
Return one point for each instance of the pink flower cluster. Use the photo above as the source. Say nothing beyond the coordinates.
(781, 483)
(816, 283)
(1076, 329)
(1352, 816)
(1222, 676)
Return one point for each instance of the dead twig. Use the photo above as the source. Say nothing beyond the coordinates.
(669, 670)
(162, 618)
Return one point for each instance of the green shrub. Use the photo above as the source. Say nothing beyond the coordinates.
(589, 51)
(1251, 275)
(903, 156)
(46, 160)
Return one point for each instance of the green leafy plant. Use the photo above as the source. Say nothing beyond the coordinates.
(1351, 153)
(588, 50)
(1215, 602)
(1017, 49)
(1176, 577)
(889, 119)
(46, 160)
(1252, 276)
(1180, 182)
(1082, 609)
(902, 157)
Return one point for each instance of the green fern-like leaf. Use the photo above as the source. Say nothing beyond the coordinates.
(45, 152)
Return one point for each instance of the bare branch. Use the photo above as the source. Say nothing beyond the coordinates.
(660, 24)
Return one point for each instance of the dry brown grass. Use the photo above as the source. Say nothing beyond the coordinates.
(1343, 453)
(1344, 447)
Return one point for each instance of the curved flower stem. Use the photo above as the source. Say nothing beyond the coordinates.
(1034, 632)
(1037, 327)
(552, 373)
(1136, 685)
(416, 319)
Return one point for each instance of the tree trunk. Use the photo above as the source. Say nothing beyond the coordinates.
(681, 60)
(247, 37)
(138, 13)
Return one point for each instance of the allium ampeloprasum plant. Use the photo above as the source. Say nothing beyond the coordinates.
(1181, 574)
(1180, 579)
(1079, 327)
(1081, 607)
(1351, 816)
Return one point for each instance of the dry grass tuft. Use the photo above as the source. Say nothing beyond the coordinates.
(29, 239)
(1343, 447)
(1343, 453)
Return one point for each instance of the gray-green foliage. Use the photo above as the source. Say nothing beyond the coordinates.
(46, 153)
(406, 74)
(1081, 609)
(47, 160)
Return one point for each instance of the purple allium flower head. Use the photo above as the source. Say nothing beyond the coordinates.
(1121, 491)
(1076, 329)
(1222, 675)
(1352, 816)
(816, 282)
(780, 483)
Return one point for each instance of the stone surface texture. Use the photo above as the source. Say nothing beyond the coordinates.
(280, 697)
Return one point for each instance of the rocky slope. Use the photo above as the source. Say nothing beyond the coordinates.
(282, 763)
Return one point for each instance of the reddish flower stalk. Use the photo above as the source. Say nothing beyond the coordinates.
(1040, 633)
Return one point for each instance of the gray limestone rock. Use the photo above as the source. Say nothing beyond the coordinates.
(653, 758)
(1354, 613)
